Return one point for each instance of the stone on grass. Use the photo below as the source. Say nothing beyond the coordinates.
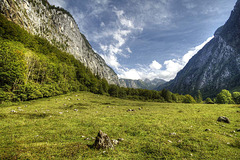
(223, 119)
(172, 134)
(130, 110)
(115, 142)
(120, 139)
(102, 141)
(13, 111)
(207, 130)
(76, 110)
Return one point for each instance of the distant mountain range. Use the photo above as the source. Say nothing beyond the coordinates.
(143, 84)
(216, 66)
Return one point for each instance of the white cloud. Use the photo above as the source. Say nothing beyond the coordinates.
(102, 24)
(192, 52)
(131, 74)
(129, 50)
(118, 35)
(154, 70)
(155, 65)
(111, 60)
(60, 3)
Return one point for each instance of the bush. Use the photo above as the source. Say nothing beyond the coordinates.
(224, 97)
(188, 99)
(209, 101)
(236, 97)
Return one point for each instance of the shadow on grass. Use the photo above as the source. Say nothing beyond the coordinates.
(80, 106)
(2, 116)
(36, 115)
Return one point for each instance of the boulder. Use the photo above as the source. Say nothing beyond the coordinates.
(223, 119)
(102, 141)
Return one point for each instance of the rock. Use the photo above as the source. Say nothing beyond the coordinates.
(115, 142)
(60, 112)
(120, 139)
(13, 111)
(75, 110)
(130, 110)
(140, 108)
(172, 134)
(102, 141)
(223, 119)
(108, 106)
(207, 130)
(169, 141)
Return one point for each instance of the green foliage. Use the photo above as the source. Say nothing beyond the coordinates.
(12, 65)
(189, 99)
(209, 101)
(236, 97)
(31, 68)
(199, 97)
(167, 95)
(224, 97)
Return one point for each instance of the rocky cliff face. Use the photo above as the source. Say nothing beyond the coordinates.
(146, 84)
(216, 66)
(58, 27)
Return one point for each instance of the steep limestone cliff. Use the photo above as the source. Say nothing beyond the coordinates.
(216, 66)
(58, 27)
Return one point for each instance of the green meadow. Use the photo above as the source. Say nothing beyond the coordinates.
(63, 127)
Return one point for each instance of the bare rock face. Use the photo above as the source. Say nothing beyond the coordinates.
(223, 119)
(102, 141)
(59, 28)
(216, 66)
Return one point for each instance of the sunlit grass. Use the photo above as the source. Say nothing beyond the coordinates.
(62, 127)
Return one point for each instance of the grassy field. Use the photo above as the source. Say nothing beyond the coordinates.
(51, 129)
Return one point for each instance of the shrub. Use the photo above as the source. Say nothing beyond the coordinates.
(188, 99)
(224, 97)
(209, 101)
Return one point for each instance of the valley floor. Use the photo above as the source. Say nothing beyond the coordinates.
(63, 127)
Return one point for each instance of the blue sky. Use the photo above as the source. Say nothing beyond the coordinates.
(148, 38)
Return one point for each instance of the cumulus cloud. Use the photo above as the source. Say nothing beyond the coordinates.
(155, 65)
(156, 70)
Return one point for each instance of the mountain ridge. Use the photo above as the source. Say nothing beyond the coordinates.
(143, 84)
(59, 28)
(216, 66)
